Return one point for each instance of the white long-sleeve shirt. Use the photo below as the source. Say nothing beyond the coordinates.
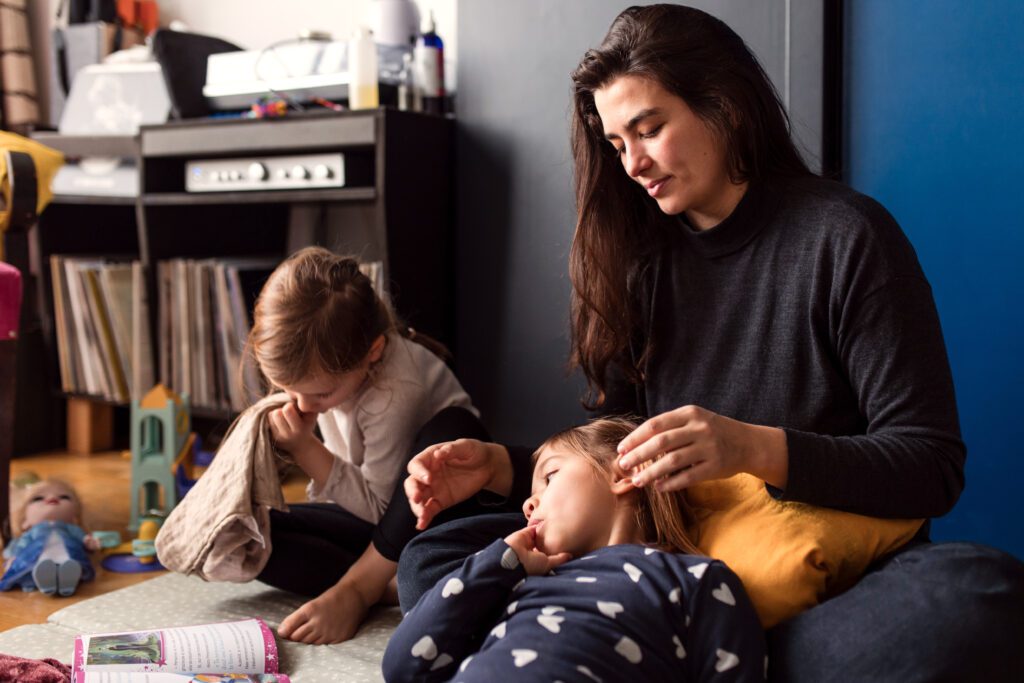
(370, 434)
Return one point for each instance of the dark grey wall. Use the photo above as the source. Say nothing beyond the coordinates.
(514, 201)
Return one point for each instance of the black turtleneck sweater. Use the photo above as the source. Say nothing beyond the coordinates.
(807, 309)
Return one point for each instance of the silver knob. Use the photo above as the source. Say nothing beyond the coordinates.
(282, 174)
(299, 172)
(322, 172)
(257, 171)
(235, 175)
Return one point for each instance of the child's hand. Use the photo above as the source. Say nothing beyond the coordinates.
(91, 543)
(290, 428)
(534, 561)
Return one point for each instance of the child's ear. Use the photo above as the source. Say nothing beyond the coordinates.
(377, 349)
(622, 485)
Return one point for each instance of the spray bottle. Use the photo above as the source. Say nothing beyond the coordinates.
(429, 58)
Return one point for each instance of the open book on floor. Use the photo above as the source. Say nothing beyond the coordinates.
(235, 651)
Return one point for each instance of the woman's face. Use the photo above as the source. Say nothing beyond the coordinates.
(572, 504)
(668, 149)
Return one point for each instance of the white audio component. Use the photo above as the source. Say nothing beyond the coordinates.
(293, 172)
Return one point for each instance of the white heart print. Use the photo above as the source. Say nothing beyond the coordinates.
(443, 660)
(452, 587)
(726, 660)
(609, 609)
(465, 663)
(509, 559)
(680, 650)
(673, 595)
(588, 673)
(425, 648)
(628, 648)
(698, 569)
(499, 630)
(552, 609)
(723, 594)
(512, 607)
(633, 572)
(551, 622)
(585, 579)
(523, 657)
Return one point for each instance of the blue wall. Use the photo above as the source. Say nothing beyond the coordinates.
(934, 119)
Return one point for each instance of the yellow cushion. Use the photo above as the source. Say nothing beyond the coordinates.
(790, 556)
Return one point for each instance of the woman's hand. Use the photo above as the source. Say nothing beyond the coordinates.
(534, 561)
(449, 473)
(291, 429)
(690, 444)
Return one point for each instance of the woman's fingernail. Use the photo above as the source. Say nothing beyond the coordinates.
(625, 463)
(638, 481)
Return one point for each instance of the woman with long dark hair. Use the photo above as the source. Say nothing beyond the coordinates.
(768, 322)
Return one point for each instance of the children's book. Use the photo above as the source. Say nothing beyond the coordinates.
(236, 651)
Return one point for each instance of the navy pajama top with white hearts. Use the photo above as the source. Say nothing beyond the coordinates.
(622, 613)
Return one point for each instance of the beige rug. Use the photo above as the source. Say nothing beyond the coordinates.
(175, 600)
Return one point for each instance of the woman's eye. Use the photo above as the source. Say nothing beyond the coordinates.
(651, 133)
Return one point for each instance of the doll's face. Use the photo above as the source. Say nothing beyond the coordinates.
(50, 502)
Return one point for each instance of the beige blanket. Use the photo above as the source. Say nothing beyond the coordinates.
(220, 530)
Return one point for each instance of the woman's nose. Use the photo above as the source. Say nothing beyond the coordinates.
(635, 160)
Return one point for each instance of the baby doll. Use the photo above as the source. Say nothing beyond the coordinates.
(50, 552)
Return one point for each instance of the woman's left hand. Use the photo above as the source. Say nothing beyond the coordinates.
(691, 444)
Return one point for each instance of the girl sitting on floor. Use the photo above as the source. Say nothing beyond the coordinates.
(602, 584)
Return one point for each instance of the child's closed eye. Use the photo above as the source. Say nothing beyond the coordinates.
(547, 477)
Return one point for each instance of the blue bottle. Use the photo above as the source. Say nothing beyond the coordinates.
(429, 58)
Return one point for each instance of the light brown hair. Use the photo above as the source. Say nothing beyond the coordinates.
(699, 59)
(661, 515)
(316, 314)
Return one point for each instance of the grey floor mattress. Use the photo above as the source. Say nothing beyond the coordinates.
(175, 600)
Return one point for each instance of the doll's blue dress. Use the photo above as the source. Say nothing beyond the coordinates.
(25, 552)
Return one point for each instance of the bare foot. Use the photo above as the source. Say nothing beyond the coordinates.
(332, 617)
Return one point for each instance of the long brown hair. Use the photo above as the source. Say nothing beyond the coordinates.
(698, 58)
(661, 515)
(319, 314)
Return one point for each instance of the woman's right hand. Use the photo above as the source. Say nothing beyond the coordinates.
(449, 473)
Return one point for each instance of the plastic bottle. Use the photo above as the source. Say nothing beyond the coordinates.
(363, 92)
(429, 58)
(409, 98)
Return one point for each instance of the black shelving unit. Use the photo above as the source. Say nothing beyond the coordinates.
(396, 207)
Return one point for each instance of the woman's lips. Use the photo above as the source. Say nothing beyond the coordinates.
(654, 188)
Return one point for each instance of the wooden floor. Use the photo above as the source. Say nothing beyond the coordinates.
(103, 481)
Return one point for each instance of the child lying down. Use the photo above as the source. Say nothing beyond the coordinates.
(602, 584)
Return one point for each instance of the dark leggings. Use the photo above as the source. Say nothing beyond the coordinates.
(314, 544)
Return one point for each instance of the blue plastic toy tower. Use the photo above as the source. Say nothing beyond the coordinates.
(159, 433)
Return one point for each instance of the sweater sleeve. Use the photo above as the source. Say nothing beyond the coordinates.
(909, 462)
(452, 619)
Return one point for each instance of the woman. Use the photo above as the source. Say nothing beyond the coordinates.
(772, 323)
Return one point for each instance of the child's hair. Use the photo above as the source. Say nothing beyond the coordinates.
(26, 494)
(319, 314)
(661, 515)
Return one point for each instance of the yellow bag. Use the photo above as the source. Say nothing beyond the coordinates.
(47, 162)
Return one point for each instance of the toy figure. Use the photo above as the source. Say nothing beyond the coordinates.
(51, 551)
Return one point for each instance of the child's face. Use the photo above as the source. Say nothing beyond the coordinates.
(572, 505)
(321, 393)
(49, 502)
